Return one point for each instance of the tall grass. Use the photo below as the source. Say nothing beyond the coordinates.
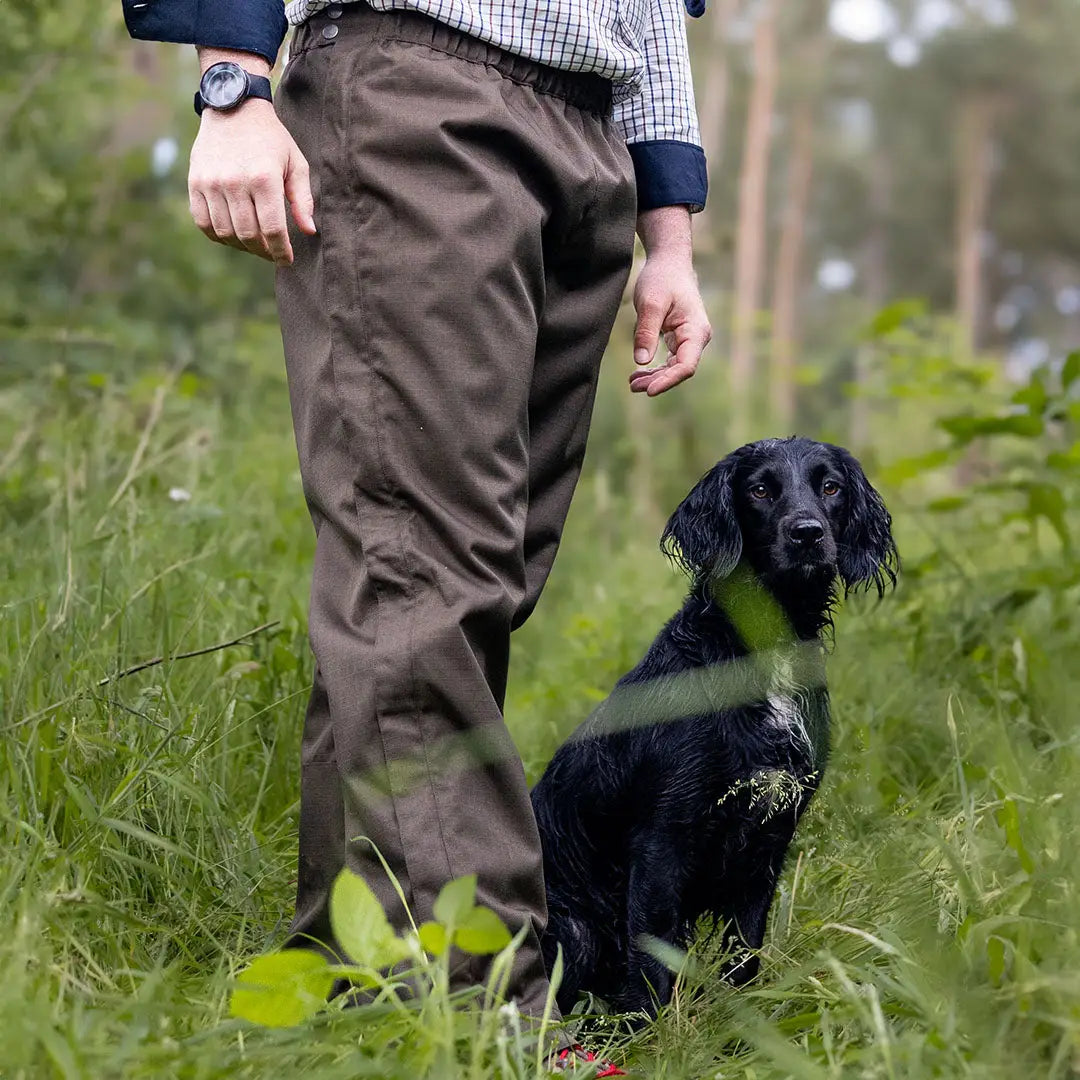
(926, 924)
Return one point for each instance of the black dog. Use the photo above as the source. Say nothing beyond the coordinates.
(679, 796)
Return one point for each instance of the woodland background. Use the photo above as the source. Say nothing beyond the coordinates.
(891, 258)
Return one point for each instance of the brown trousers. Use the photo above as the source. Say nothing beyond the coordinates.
(443, 334)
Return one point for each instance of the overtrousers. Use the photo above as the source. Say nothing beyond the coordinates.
(443, 334)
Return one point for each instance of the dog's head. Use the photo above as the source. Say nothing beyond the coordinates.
(793, 510)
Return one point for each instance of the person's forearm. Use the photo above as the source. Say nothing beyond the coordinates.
(667, 301)
(666, 229)
(250, 62)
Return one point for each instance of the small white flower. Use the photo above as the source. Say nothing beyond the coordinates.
(179, 494)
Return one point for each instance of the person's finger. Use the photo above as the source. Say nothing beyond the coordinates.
(682, 366)
(200, 212)
(268, 196)
(298, 192)
(221, 226)
(647, 333)
(679, 367)
(245, 222)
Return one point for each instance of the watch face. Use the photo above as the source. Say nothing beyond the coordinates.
(223, 85)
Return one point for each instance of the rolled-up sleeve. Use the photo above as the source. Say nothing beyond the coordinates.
(660, 122)
(255, 26)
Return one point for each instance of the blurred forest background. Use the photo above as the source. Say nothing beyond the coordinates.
(891, 259)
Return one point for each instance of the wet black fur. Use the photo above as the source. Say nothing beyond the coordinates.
(648, 826)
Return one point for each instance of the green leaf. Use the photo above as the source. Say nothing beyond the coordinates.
(1008, 817)
(674, 959)
(282, 988)
(360, 924)
(1047, 501)
(966, 428)
(995, 955)
(433, 938)
(947, 503)
(456, 900)
(1033, 396)
(895, 315)
(1070, 372)
(910, 467)
(1064, 460)
(480, 932)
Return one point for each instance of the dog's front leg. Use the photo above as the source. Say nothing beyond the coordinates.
(745, 931)
(652, 912)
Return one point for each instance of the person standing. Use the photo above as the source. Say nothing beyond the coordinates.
(464, 179)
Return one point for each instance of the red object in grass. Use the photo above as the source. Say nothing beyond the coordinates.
(567, 1059)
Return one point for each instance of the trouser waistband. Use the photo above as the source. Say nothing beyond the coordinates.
(584, 90)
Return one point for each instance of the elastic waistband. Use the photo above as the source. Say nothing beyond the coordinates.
(584, 90)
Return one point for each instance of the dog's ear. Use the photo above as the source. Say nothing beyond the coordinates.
(867, 555)
(703, 535)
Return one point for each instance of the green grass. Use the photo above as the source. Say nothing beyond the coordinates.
(926, 924)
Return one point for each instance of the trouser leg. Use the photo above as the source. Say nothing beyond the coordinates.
(579, 311)
(411, 326)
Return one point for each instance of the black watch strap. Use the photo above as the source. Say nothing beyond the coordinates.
(258, 86)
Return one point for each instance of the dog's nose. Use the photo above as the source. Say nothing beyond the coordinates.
(807, 531)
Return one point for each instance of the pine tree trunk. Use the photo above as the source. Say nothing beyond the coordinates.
(788, 266)
(875, 278)
(712, 111)
(975, 117)
(750, 233)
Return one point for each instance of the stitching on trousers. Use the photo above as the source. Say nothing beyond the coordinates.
(414, 697)
(326, 86)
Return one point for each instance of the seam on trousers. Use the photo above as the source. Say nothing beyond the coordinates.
(413, 697)
(351, 451)
(330, 330)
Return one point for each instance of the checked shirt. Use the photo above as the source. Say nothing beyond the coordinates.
(639, 44)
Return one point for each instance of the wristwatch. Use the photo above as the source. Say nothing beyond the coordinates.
(226, 85)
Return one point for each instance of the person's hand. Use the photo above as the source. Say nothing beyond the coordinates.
(244, 166)
(668, 303)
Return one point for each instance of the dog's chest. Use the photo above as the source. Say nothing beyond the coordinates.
(785, 714)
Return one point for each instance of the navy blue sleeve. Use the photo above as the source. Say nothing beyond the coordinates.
(669, 173)
(255, 26)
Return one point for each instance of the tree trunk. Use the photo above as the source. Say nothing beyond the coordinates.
(788, 266)
(750, 232)
(712, 110)
(875, 278)
(975, 118)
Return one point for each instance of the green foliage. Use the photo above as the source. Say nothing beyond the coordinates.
(925, 924)
(282, 989)
(361, 926)
(291, 986)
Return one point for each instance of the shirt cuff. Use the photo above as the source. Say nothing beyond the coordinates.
(669, 173)
(254, 26)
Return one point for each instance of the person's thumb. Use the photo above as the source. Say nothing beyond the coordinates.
(298, 192)
(647, 334)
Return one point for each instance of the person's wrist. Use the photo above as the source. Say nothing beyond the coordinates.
(252, 108)
(665, 232)
(250, 62)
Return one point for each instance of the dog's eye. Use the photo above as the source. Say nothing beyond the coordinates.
(759, 491)
(830, 487)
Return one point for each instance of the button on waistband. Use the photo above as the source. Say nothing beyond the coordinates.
(334, 12)
(330, 32)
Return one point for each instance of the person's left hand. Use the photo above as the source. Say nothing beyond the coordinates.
(668, 304)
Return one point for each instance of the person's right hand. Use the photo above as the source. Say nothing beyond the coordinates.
(244, 166)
